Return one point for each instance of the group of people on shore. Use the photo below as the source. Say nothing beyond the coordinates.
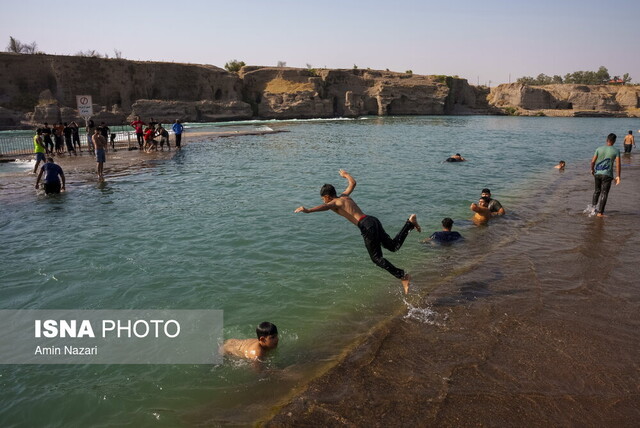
(97, 144)
(53, 137)
(146, 134)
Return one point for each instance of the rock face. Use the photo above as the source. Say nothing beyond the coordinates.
(23, 78)
(289, 92)
(599, 98)
(10, 118)
(195, 111)
(47, 85)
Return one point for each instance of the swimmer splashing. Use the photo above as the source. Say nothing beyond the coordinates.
(370, 227)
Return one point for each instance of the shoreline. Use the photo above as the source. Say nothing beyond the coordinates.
(81, 169)
(525, 345)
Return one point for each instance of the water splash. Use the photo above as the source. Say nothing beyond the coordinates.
(590, 210)
(424, 315)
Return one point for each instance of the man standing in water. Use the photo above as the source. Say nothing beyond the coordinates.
(100, 144)
(177, 130)
(629, 142)
(52, 176)
(370, 227)
(602, 171)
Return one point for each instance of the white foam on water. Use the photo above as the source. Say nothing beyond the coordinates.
(590, 210)
(24, 163)
(423, 315)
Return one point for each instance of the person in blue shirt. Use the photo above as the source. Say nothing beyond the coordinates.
(602, 171)
(446, 235)
(52, 176)
(177, 130)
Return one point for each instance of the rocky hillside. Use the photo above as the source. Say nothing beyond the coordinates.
(43, 88)
(567, 100)
(39, 88)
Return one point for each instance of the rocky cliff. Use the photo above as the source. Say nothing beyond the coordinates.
(39, 88)
(568, 100)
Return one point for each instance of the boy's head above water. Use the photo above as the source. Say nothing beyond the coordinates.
(267, 335)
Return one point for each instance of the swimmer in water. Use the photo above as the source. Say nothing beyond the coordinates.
(561, 165)
(253, 349)
(370, 227)
(482, 211)
(455, 158)
(494, 205)
(446, 235)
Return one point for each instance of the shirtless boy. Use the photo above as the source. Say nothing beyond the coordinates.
(100, 144)
(370, 227)
(253, 349)
(629, 142)
(482, 211)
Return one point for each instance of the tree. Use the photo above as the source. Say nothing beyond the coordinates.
(16, 46)
(117, 54)
(602, 75)
(234, 66)
(526, 80)
(626, 78)
(281, 64)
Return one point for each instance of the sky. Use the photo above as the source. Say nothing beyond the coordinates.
(484, 41)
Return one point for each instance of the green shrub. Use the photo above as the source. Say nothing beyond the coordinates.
(234, 66)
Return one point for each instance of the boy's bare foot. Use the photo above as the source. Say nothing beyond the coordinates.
(600, 215)
(405, 283)
(414, 221)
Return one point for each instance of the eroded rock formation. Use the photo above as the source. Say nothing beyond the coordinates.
(606, 99)
(43, 88)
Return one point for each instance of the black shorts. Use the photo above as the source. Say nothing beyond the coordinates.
(53, 187)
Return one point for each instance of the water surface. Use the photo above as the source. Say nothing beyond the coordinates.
(214, 228)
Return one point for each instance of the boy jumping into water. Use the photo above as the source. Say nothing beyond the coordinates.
(370, 227)
(253, 349)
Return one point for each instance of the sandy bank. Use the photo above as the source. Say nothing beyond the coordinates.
(82, 168)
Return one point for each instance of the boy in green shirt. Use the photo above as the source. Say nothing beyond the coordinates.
(602, 171)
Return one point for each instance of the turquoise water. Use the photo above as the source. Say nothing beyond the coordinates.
(214, 228)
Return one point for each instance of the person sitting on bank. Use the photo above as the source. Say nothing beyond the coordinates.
(494, 205)
(445, 235)
(561, 165)
(455, 158)
(482, 211)
(52, 176)
(253, 349)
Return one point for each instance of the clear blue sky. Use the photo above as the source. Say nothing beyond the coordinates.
(479, 40)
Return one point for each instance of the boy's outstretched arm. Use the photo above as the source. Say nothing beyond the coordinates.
(350, 179)
(323, 207)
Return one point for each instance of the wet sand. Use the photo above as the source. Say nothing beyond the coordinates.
(81, 169)
(541, 329)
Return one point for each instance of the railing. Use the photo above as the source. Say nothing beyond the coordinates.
(21, 143)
